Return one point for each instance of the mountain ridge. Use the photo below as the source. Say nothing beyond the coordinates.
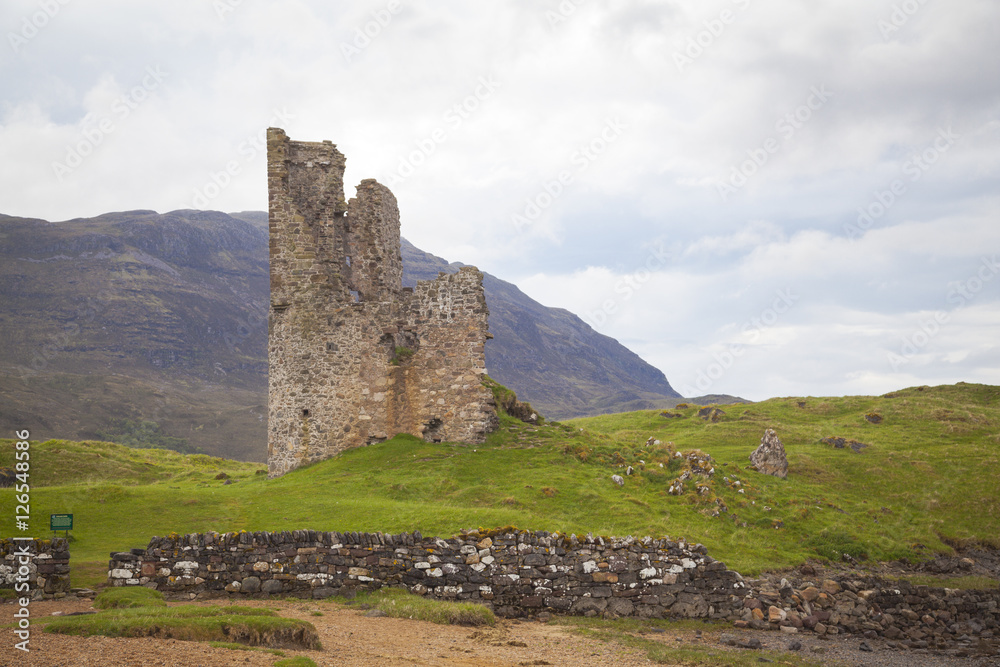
(138, 315)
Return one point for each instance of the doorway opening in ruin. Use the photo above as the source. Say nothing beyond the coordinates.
(432, 430)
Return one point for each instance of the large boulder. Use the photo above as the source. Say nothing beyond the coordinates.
(770, 457)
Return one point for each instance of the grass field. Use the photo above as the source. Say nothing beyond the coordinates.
(927, 480)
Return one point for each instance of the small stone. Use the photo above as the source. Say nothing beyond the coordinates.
(376, 613)
(789, 629)
(752, 643)
(618, 479)
(794, 646)
(810, 594)
(863, 646)
(831, 587)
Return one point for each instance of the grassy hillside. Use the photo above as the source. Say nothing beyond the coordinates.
(927, 479)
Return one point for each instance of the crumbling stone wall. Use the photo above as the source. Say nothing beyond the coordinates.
(48, 571)
(521, 573)
(355, 358)
(517, 573)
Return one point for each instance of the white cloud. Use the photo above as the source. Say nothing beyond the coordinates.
(655, 184)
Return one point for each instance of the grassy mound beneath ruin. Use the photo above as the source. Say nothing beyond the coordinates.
(137, 614)
(924, 482)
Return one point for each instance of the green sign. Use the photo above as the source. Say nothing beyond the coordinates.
(60, 522)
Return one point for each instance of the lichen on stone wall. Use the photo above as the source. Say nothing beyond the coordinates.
(339, 314)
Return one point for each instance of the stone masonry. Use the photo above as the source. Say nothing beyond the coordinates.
(47, 573)
(521, 573)
(354, 357)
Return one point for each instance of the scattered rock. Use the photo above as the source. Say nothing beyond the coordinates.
(874, 418)
(769, 458)
(830, 586)
(671, 415)
(376, 613)
(222, 475)
(618, 479)
(863, 646)
(711, 414)
(7, 477)
(752, 643)
(841, 443)
(794, 646)
(629, 471)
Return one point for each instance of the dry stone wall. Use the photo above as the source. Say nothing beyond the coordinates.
(520, 573)
(515, 573)
(47, 573)
(355, 358)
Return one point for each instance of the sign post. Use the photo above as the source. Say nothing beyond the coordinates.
(61, 522)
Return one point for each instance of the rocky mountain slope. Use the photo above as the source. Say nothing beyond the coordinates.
(137, 322)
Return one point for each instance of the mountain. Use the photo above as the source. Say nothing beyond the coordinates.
(549, 356)
(152, 328)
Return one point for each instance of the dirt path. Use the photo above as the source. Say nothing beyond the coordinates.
(348, 636)
(351, 638)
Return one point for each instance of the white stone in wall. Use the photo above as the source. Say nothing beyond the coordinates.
(435, 572)
(647, 573)
(591, 566)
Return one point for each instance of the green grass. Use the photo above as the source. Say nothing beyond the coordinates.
(193, 623)
(637, 634)
(970, 583)
(398, 603)
(127, 597)
(297, 661)
(926, 483)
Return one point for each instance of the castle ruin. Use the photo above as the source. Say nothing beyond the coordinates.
(355, 358)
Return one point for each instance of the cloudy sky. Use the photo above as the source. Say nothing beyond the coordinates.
(761, 198)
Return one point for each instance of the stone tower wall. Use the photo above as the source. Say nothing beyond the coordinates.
(354, 358)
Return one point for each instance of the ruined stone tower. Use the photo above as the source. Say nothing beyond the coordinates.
(355, 358)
